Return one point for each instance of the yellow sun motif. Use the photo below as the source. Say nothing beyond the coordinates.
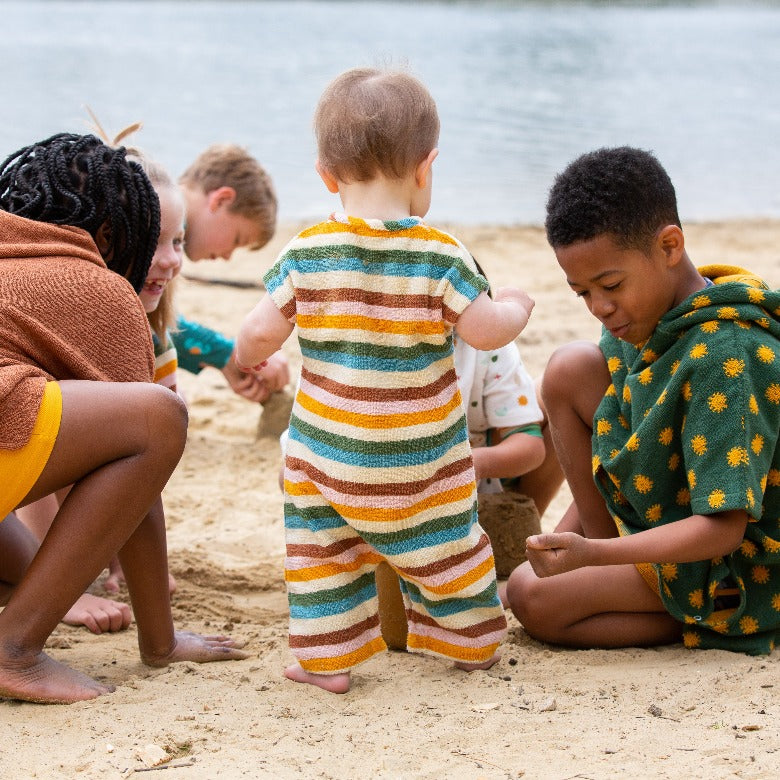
(748, 548)
(661, 398)
(622, 420)
(666, 435)
(772, 393)
(649, 356)
(691, 640)
(748, 625)
(753, 404)
(692, 478)
(698, 351)
(669, 571)
(613, 454)
(711, 588)
(613, 364)
(710, 327)
(643, 483)
(757, 443)
(619, 498)
(751, 501)
(716, 499)
(615, 479)
(718, 402)
(595, 462)
(765, 354)
(700, 301)
(633, 443)
(737, 456)
(742, 324)
(699, 444)
(603, 427)
(673, 369)
(696, 598)
(610, 391)
(755, 295)
(653, 514)
(683, 497)
(763, 322)
(522, 400)
(760, 574)
(728, 313)
(773, 477)
(627, 394)
(771, 545)
(733, 367)
(762, 482)
(776, 602)
(686, 391)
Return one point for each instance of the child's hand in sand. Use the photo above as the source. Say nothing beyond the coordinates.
(198, 648)
(99, 615)
(551, 554)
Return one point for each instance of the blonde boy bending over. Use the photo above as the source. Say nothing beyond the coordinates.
(378, 465)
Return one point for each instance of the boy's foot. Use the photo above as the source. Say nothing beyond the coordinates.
(468, 667)
(116, 579)
(99, 615)
(335, 683)
(47, 681)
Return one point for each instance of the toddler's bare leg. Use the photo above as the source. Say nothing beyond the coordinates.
(117, 445)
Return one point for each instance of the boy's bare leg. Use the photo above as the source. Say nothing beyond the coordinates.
(117, 444)
(574, 383)
(596, 606)
(333, 683)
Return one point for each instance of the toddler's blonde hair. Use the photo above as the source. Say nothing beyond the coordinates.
(370, 121)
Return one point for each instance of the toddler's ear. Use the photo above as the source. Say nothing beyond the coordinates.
(327, 177)
(424, 168)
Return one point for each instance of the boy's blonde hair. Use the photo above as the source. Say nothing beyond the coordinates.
(229, 165)
(370, 121)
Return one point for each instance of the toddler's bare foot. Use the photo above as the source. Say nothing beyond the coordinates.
(468, 667)
(98, 614)
(46, 681)
(200, 649)
(334, 683)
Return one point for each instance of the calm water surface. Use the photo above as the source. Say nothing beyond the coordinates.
(522, 88)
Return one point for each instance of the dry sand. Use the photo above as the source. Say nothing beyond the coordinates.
(541, 712)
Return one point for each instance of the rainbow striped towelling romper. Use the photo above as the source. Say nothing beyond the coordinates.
(378, 465)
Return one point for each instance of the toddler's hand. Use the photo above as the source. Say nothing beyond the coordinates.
(551, 554)
(517, 296)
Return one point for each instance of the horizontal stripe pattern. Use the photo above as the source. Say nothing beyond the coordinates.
(378, 465)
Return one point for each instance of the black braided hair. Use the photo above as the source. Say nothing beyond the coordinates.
(78, 180)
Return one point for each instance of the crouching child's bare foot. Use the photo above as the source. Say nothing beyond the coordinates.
(99, 615)
(116, 578)
(472, 667)
(41, 679)
(200, 649)
(334, 683)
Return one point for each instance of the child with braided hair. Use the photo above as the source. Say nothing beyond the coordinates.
(77, 407)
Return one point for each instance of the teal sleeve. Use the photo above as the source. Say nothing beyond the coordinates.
(198, 346)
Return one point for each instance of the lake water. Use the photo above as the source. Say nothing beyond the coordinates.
(522, 88)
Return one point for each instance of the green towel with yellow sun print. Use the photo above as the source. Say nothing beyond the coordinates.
(689, 426)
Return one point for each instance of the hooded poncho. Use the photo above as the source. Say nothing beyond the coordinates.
(690, 426)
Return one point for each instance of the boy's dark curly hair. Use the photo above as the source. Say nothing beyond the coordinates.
(622, 191)
(78, 180)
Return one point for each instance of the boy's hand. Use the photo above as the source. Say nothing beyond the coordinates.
(551, 554)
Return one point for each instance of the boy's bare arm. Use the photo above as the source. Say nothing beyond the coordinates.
(262, 333)
(695, 538)
(491, 323)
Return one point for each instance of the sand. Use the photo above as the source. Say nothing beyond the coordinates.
(541, 712)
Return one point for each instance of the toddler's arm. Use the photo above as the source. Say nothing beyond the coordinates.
(262, 333)
(490, 323)
(694, 538)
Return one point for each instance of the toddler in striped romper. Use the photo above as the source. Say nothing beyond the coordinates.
(378, 465)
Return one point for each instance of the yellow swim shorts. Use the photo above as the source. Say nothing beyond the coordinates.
(20, 469)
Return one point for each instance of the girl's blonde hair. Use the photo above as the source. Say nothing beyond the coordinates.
(163, 318)
(370, 121)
